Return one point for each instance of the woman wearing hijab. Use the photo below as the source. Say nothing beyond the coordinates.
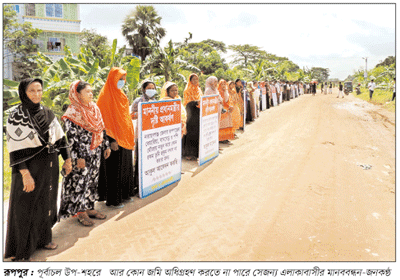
(85, 132)
(268, 93)
(239, 93)
(247, 98)
(148, 90)
(170, 91)
(116, 182)
(226, 130)
(252, 108)
(34, 139)
(236, 116)
(191, 100)
(211, 88)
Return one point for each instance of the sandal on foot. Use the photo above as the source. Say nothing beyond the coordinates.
(97, 215)
(50, 246)
(84, 220)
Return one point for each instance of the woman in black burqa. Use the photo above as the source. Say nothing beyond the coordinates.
(35, 139)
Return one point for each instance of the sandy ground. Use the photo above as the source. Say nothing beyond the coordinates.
(294, 187)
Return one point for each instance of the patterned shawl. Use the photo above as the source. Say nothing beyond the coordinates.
(88, 117)
(31, 128)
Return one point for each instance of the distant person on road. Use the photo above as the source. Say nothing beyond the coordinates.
(236, 115)
(273, 93)
(326, 88)
(340, 90)
(358, 89)
(371, 87)
(226, 130)
(239, 93)
(322, 88)
(251, 89)
(267, 87)
(394, 89)
(330, 88)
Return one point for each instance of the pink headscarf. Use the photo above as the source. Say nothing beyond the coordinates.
(88, 117)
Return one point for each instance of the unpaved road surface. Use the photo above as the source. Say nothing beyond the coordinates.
(310, 180)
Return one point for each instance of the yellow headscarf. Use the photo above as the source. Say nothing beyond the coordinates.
(164, 90)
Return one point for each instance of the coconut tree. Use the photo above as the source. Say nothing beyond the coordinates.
(140, 27)
(256, 70)
(167, 62)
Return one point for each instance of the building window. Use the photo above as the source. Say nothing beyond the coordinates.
(55, 44)
(54, 10)
(39, 43)
(30, 10)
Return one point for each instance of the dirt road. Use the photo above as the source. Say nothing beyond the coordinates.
(294, 187)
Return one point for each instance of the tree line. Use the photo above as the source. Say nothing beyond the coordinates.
(143, 32)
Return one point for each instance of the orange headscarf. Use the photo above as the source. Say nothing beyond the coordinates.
(88, 117)
(232, 92)
(191, 92)
(114, 106)
(165, 96)
(223, 92)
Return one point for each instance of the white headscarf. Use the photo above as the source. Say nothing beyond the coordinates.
(210, 90)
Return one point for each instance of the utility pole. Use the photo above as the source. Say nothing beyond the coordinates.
(365, 72)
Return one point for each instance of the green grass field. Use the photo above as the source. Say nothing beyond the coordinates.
(380, 97)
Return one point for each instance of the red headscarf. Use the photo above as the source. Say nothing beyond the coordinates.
(88, 117)
(114, 106)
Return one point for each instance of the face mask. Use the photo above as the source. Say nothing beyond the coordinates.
(120, 83)
(150, 92)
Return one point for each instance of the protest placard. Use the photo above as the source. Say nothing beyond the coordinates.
(209, 128)
(160, 145)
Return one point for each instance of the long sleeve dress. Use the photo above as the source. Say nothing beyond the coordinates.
(31, 215)
(80, 187)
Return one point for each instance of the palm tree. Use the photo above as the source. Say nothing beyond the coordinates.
(168, 63)
(140, 27)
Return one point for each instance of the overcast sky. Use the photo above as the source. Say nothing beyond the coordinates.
(334, 36)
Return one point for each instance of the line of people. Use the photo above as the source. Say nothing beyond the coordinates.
(99, 146)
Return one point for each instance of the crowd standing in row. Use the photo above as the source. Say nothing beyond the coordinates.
(100, 143)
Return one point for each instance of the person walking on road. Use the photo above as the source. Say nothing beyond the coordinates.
(340, 90)
(371, 87)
